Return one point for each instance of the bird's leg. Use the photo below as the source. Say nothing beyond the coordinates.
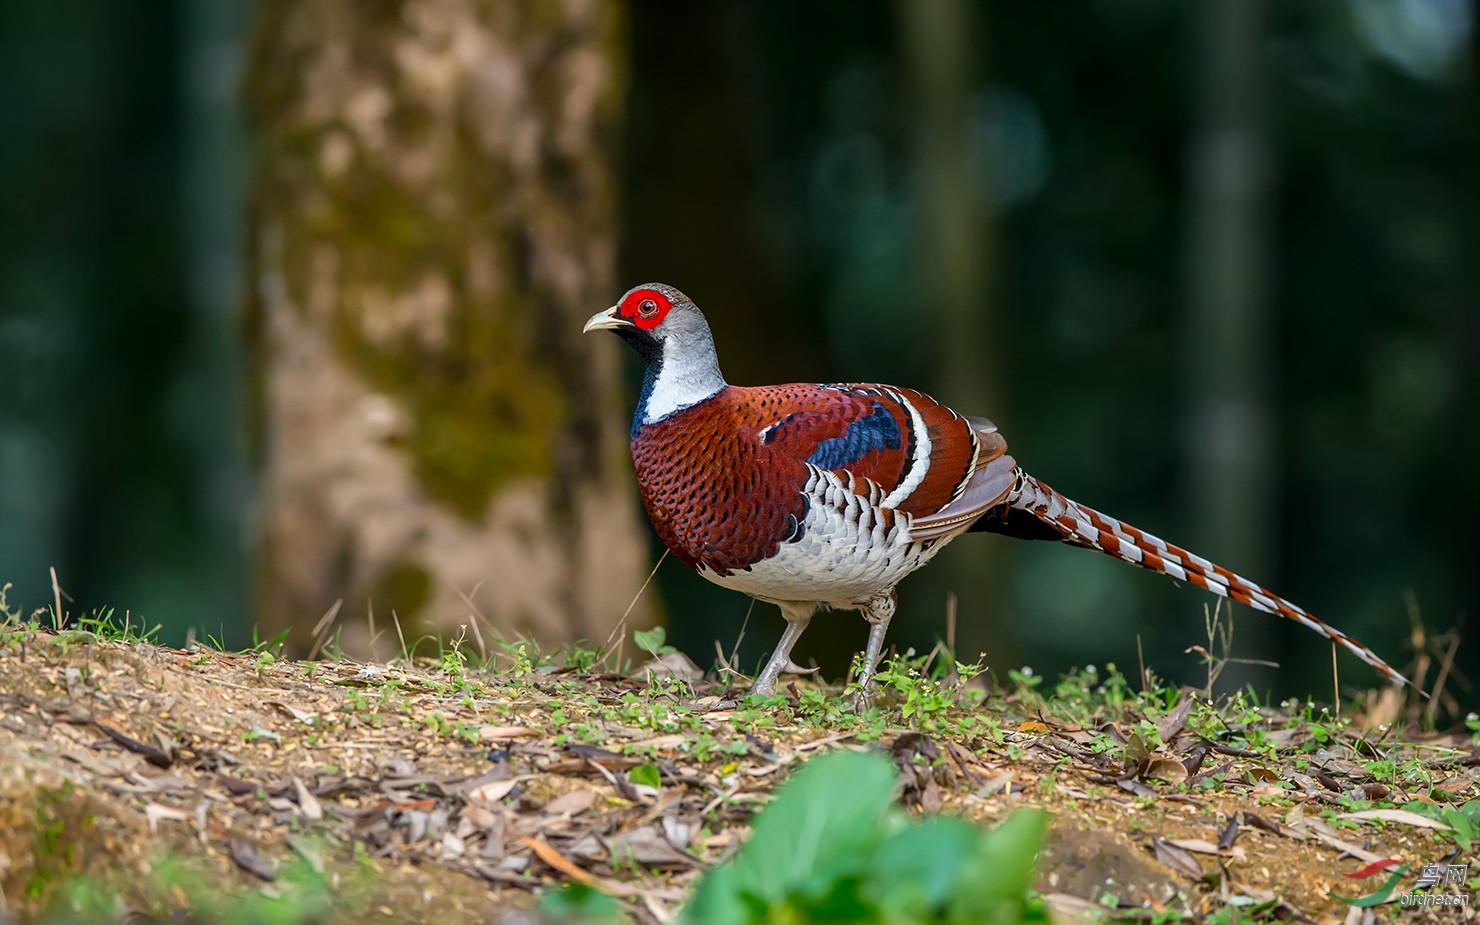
(797, 617)
(878, 612)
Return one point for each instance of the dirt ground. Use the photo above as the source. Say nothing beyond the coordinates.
(155, 776)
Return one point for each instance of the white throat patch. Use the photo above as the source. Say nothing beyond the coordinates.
(688, 375)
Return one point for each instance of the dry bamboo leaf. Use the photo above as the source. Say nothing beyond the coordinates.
(452, 846)
(308, 804)
(1000, 782)
(1359, 916)
(494, 733)
(1073, 910)
(647, 846)
(1401, 816)
(825, 742)
(1229, 834)
(1176, 857)
(480, 816)
(1202, 846)
(672, 665)
(302, 716)
(150, 754)
(1346, 847)
(251, 859)
(1173, 723)
(154, 812)
(490, 793)
(1457, 785)
(660, 743)
(1166, 770)
(571, 804)
(559, 862)
(1130, 785)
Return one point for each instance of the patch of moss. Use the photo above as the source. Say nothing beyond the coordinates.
(60, 824)
(485, 399)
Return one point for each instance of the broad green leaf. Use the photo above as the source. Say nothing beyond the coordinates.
(999, 871)
(716, 900)
(1463, 825)
(809, 848)
(577, 902)
(823, 825)
(651, 641)
(914, 872)
(646, 775)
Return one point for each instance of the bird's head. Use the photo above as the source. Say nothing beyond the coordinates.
(667, 330)
(657, 320)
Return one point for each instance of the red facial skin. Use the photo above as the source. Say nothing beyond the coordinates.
(645, 308)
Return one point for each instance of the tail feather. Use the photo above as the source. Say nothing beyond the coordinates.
(1084, 526)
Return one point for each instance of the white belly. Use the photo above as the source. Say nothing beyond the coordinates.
(846, 553)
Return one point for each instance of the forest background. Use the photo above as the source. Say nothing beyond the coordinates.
(290, 296)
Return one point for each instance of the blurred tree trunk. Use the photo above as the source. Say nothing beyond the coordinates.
(943, 48)
(1227, 334)
(433, 217)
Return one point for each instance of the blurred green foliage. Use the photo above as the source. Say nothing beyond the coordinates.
(770, 176)
(832, 847)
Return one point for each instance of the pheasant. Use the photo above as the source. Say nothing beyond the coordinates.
(811, 496)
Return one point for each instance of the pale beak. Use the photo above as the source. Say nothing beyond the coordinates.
(606, 321)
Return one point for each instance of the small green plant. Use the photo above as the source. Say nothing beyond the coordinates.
(105, 624)
(524, 663)
(930, 694)
(274, 645)
(454, 659)
(580, 658)
(257, 733)
(652, 642)
(833, 847)
(264, 661)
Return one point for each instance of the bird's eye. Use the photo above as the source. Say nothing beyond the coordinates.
(647, 308)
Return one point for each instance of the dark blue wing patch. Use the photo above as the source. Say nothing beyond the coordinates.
(878, 431)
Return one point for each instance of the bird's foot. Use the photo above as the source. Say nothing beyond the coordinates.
(764, 686)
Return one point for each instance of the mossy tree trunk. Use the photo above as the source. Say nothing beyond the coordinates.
(433, 217)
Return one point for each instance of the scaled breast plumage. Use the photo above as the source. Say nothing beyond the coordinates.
(724, 480)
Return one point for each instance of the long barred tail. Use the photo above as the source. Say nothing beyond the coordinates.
(1084, 526)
